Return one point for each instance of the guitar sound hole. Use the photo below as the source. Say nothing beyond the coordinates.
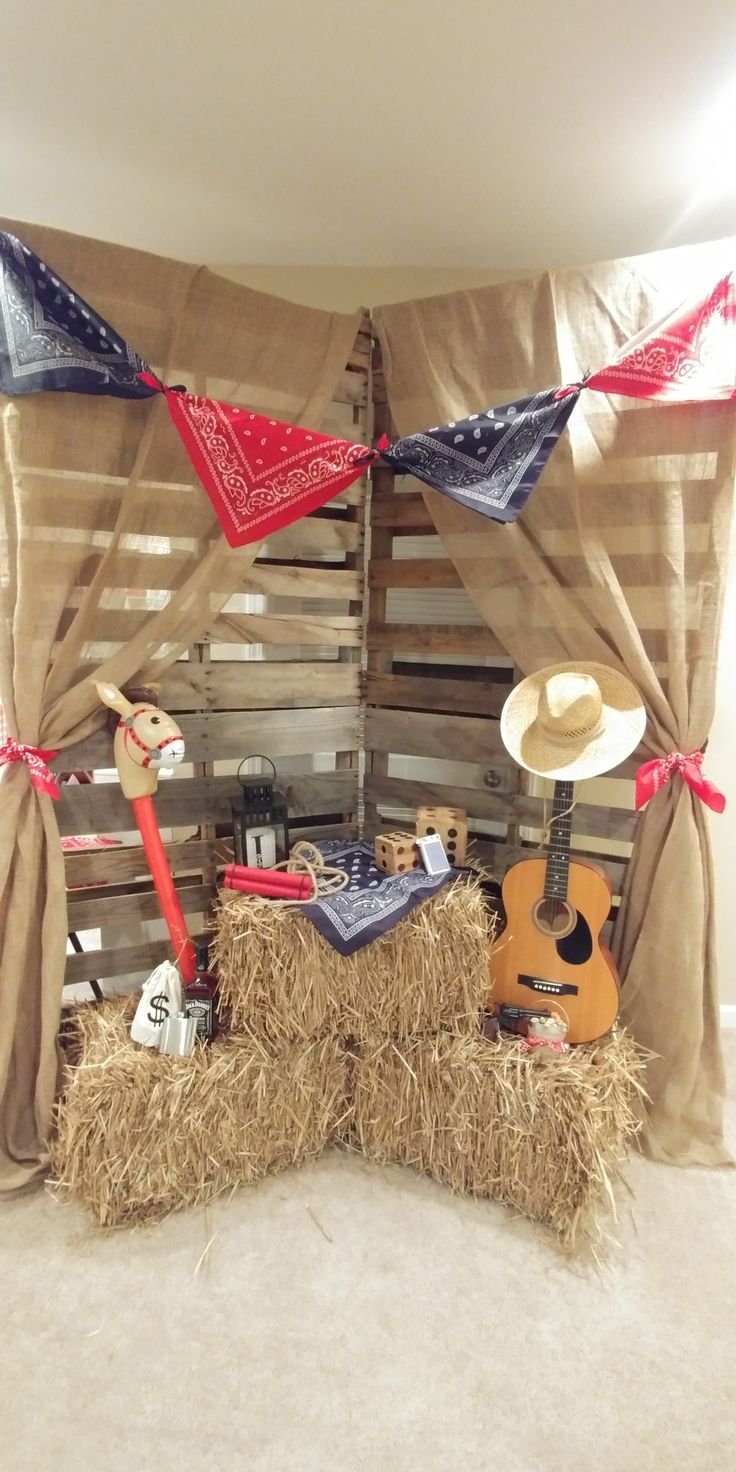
(554, 917)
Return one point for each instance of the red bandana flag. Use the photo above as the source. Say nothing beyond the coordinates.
(260, 474)
(653, 775)
(688, 356)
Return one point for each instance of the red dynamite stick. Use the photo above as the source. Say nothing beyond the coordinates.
(184, 955)
(277, 877)
(270, 891)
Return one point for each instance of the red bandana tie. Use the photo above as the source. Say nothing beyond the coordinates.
(36, 760)
(689, 355)
(653, 775)
(260, 474)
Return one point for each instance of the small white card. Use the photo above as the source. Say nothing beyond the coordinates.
(433, 854)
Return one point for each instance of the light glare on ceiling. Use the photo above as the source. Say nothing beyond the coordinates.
(714, 159)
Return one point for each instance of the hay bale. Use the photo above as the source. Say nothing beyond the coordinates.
(139, 1134)
(279, 978)
(546, 1133)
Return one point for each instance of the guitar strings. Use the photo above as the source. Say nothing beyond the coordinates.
(547, 826)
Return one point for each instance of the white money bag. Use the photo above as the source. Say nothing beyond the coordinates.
(161, 998)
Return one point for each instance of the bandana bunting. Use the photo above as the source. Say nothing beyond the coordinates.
(261, 474)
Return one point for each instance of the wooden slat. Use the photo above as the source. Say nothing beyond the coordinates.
(167, 570)
(333, 630)
(481, 696)
(122, 865)
(355, 495)
(221, 735)
(434, 639)
(446, 738)
(101, 808)
(589, 821)
(117, 961)
(413, 572)
(499, 856)
(257, 684)
(352, 388)
(378, 661)
(403, 513)
(287, 581)
(117, 626)
(314, 536)
(642, 573)
(91, 913)
(406, 514)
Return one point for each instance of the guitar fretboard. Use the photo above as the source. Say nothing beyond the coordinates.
(558, 849)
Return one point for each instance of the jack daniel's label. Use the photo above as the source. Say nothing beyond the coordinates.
(200, 1008)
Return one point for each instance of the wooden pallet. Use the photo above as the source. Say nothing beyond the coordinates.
(279, 671)
(437, 680)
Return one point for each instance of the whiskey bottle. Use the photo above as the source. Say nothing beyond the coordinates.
(200, 998)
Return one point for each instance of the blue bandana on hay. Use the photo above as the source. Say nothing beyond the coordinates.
(372, 903)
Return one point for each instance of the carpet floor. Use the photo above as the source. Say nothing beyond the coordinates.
(347, 1318)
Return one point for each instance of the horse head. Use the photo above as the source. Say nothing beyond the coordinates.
(146, 740)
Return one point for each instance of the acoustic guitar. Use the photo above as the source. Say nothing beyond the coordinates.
(550, 956)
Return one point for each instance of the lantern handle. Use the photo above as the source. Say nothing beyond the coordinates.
(261, 757)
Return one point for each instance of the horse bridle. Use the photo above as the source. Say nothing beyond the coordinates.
(125, 724)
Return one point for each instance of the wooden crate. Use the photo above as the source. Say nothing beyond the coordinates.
(278, 672)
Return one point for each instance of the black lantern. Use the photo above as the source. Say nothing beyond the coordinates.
(260, 818)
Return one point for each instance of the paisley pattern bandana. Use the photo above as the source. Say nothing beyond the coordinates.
(491, 461)
(261, 474)
(373, 902)
(689, 355)
(653, 775)
(36, 759)
(51, 338)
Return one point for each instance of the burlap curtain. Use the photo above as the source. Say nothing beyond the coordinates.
(112, 564)
(619, 557)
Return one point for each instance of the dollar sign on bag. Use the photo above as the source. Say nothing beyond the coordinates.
(158, 1009)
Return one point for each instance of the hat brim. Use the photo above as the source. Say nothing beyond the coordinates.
(621, 728)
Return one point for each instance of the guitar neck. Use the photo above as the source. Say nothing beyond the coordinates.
(558, 848)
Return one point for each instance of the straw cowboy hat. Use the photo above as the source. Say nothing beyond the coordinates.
(571, 721)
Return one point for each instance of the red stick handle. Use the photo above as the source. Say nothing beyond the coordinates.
(184, 954)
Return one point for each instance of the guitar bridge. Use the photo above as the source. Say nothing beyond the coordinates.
(550, 988)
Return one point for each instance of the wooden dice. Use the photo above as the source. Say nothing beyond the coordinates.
(397, 852)
(452, 826)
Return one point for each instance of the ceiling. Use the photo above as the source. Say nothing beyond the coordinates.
(493, 133)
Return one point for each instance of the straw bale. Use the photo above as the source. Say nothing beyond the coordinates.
(139, 1134)
(281, 979)
(544, 1132)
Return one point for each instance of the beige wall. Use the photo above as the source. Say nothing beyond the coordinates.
(344, 288)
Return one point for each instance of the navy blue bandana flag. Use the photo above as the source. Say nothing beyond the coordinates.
(373, 902)
(491, 461)
(50, 338)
